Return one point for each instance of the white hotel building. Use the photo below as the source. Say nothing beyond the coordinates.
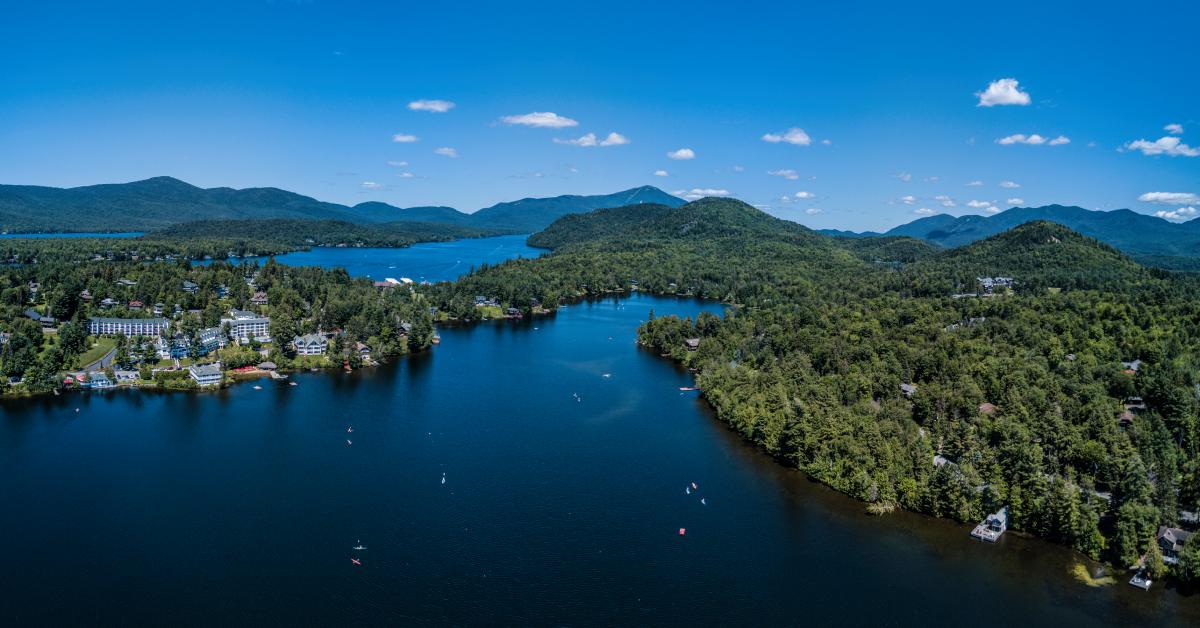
(128, 326)
(244, 326)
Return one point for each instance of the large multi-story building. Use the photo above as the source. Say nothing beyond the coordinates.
(245, 326)
(99, 326)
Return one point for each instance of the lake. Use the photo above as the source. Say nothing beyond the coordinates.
(41, 236)
(566, 451)
(427, 261)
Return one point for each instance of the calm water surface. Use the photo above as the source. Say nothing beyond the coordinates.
(563, 495)
(429, 261)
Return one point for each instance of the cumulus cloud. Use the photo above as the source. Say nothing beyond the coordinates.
(975, 184)
(1178, 215)
(904, 176)
(812, 211)
(974, 204)
(1060, 140)
(614, 139)
(683, 153)
(827, 142)
(698, 193)
(404, 138)
(787, 173)
(446, 151)
(371, 185)
(739, 168)
(588, 139)
(1170, 198)
(946, 201)
(1011, 185)
(1174, 129)
(397, 164)
(924, 211)
(794, 135)
(1034, 140)
(661, 173)
(1166, 145)
(908, 199)
(1015, 201)
(992, 210)
(1006, 91)
(404, 175)
(803, 194)
(541, 119)
(435, 106)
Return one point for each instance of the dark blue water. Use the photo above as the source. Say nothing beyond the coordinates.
(430, 261)
(241, 507)
(38, 236)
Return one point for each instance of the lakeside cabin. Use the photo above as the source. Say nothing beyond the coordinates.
(206, 374)
(992, 527)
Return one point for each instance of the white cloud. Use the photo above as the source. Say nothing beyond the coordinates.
(1174, 129)
(661, 173)
(1006, 91)
(974, 204)
(787, 173)
(446, 151)
(1178, 215)
(1033, 140)
(1015, 201)
(588, 139)
(827, 142)
(924, 211)
(1164, 146)
(614, 139)
(404, 138)
(904, 176)
(698, 193)
(436, 106)
(739, 168)
(933, 179)
(683, 153)
(992, 210)
(541, 119)
(1011, 185)
(812, 211)
(975, 184)
(404, 175)
(371, 185)
(805, 195)
(794, 135)
(397, 164)
(908, 199)
(946, 201)
(1170, 198)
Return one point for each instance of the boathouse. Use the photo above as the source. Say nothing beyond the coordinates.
(992, 527)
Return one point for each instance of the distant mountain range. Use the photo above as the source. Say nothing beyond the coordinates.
(1136, 234)
(163, 201)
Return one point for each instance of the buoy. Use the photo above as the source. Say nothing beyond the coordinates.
(682, 531)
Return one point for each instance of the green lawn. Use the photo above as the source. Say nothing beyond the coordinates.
(100, 346)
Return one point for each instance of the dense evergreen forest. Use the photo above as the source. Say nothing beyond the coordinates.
(886, 369)
(222, 239)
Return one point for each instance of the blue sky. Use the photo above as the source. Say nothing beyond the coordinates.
(309, 96)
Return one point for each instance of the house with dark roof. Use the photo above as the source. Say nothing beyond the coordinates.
(206, 374)
(44, 321)
(1171, 542)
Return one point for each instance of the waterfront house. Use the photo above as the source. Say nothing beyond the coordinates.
(691, 344)
(1171, 542)
(130, 327)
(992, 527)
(310, 344)
(97, 380)
(206, 374)
(364, 351)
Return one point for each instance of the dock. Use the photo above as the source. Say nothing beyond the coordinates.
(992, 527)
(1140, 580)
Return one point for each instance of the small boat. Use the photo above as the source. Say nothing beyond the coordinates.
(443, 478)
(349, 430)
(606, 375)
(77, 409)
(291, 383)
(702, 501)
(688, 388)
(682, 531)
(356, 561)
(694, 487)
(348, 442)
(258, 388)
(360, 547)
(687, 490)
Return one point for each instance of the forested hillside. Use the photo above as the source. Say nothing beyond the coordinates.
(855, 361)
